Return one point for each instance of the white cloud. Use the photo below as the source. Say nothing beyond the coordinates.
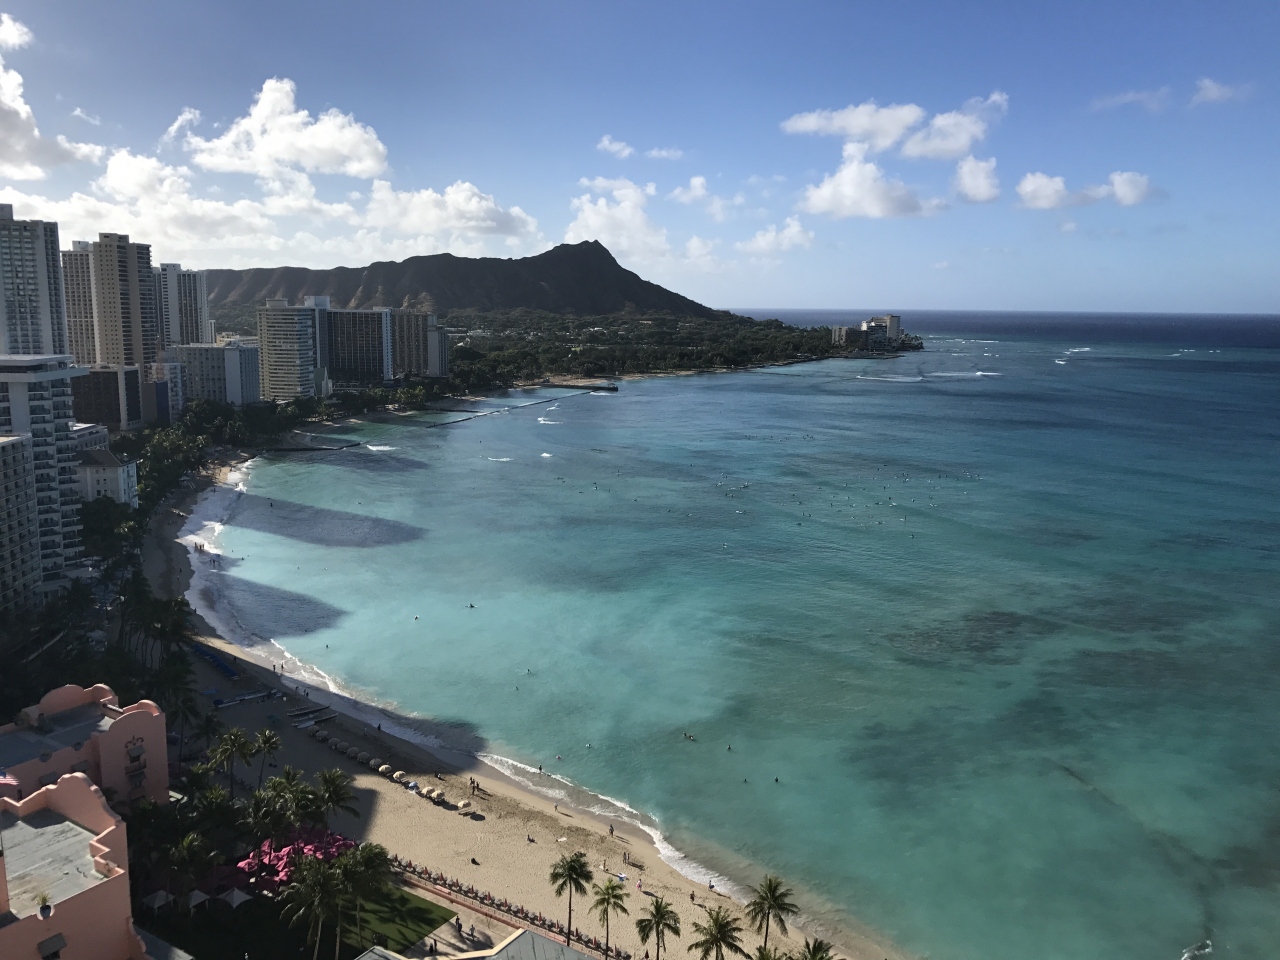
(1210, 91)
(942, 265)
(1040, 191)
(698, 193)
(1151, 100)
(773, 240)
(859, 189)
(664, 153)
(1069, 226)
(618, 148)
(976, 180)
(953, 134)
(1129, 188)
(461, 209)
(24, 153)
(189, 117)
(276, 135)
(878, 127)
(13, 35)
(86, 117)
(700, 254)
(621, 224)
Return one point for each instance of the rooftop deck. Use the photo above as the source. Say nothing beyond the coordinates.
(60, 730)
(45, 853)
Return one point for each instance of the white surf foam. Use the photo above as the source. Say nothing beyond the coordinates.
(500, 459)
(378, 448)
(545, 420)
(891, 379)
(546, 454)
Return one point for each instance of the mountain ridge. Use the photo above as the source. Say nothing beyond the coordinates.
(577, 279)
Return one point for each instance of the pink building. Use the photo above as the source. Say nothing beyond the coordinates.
(65, 843)
(74, 730)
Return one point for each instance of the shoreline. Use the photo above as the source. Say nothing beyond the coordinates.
(424, 748)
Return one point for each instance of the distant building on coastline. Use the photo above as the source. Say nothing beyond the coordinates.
(293, 348)
(182, 305)
(225, 372)
(111, 395)
(839, 336)
(373, 346)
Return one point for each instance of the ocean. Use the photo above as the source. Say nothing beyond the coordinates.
(979, 647)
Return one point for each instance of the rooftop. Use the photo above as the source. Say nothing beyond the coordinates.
(101, 458)
(45, 852)
(59, 730)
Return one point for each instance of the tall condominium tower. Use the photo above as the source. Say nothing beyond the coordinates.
(77, 279)
(19, 543)
(32, 315)
(35, 399)
(293, 349)
(122, 292)
(183, 305)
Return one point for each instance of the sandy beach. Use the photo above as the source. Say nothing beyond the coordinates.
(508, 847)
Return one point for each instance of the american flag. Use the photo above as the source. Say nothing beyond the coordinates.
(7, 781)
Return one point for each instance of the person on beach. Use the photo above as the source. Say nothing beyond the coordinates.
(611, 829)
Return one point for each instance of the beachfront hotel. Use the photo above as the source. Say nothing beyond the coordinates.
(182, 305)
(32, 315)
(225, 372)
(19, 542)
(64, 878)
(293, 344)
(73, 730)
(373, 346)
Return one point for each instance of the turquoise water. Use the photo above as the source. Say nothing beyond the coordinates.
(1001, 618)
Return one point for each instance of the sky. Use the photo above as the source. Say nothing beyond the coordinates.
(1114, 156)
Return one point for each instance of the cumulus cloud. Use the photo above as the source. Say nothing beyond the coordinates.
(953, 134)
(277, 135)
(859, 189)
(697, 192)
(24, 153)
(878, 127)
(13, 35)
(664, 153)
(86, 117)
(772, 240)
(1150, 100)
(620, 223)
(618, 148)
(1210, 91)
(976, 180)
(189, 117)
(461, 209)
(1040, 191)
(699, 253)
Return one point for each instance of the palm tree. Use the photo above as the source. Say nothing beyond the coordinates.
(234, 745)
(209, 729)
(572, 873)
(188, 860)
(816, 949)
(297, 801)
(313, 896)
(610, 899)
(721, 934)
(367, 870)
(266, 745)
(771, 901)
(769, 953)
(656, 921)
(335, 793)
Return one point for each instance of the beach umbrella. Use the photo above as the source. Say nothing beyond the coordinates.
(157, 899)
(385, 769)
(375, 764)
(353, 752)
(399, 776)
(195, 898)
(465, 804)
(235, 897)
(363, 757)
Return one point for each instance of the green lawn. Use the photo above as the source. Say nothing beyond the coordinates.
(256, 931)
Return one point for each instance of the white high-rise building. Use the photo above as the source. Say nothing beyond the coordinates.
(293, 349)
(35, 399)
(183, 305)
(77, 282)
(226, 372)
(33, 317)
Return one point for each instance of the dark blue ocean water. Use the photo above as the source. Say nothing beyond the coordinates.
(1002, 618)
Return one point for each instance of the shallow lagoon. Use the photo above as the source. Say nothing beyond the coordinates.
(1001, 618)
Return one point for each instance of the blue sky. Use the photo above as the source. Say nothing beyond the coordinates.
(789, 155)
